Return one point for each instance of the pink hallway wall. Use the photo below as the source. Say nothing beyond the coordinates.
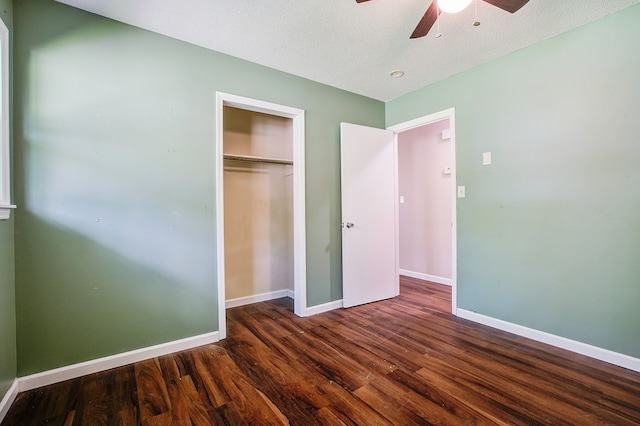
(425, 215)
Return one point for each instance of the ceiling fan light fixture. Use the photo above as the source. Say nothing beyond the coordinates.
(453, 6)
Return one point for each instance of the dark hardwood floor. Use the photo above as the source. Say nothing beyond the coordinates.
(397, 362)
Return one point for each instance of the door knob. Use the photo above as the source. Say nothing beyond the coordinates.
(350, 225)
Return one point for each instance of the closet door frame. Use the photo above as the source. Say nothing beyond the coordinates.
(299, 222)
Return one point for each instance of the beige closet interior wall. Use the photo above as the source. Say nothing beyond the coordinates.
(425, 215)
(258, 204)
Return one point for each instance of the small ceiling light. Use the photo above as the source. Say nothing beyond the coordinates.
(396, 74)
(476, 23)
(453, 6)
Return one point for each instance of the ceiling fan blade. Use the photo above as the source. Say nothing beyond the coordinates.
(427, 21)
(361, 1)
(510, 6)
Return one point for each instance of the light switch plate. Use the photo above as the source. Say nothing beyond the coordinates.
(461, 191)
(486, 158)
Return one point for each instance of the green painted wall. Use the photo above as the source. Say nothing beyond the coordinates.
(116, 183)
(549, 235)
(8, 361)
(114, 177)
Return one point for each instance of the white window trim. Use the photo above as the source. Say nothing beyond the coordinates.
(5, 172)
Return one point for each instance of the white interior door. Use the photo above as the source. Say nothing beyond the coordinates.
(369, 252)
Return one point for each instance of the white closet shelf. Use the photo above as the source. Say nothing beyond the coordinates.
(254, 159)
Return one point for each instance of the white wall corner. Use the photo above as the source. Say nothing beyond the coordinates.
(595, 352)
(8, 399)
(68, 372)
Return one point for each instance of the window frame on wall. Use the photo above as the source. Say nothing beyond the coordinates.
(5, 172)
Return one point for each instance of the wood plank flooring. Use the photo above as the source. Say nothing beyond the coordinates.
(402, 361)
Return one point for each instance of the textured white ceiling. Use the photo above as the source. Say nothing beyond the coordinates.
(354, 46)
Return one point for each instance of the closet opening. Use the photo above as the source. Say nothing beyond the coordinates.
(260, 204)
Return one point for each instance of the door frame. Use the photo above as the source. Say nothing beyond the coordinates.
(449, 114)
(299, 205)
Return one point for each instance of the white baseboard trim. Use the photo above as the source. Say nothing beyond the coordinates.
(255, 298)
(601, 354)
(325, 307)
(427, 277)
(8, 399)
(96, 365)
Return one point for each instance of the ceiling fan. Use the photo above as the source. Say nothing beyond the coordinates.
(431, 15)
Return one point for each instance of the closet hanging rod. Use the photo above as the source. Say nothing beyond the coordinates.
(253, 159)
